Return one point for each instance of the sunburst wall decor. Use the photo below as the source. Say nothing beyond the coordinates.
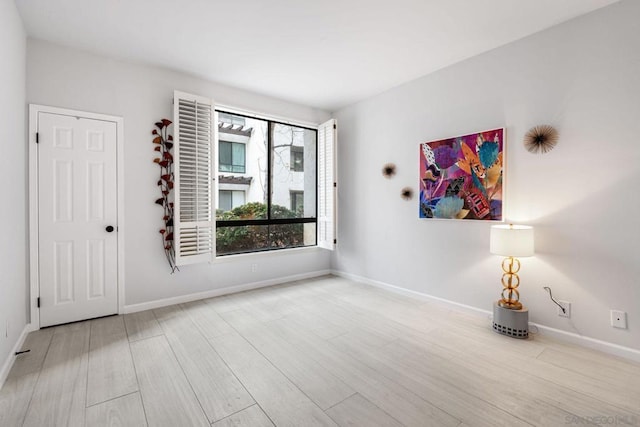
(541, 139)
(389, 170)
(406, 193)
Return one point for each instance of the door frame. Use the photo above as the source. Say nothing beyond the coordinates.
(34, 273)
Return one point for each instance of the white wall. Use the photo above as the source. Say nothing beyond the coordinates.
(13, 174)
(142, 95)
(582, 77)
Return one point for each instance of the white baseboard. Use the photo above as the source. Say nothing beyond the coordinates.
(408, 292)
(573, 338)
(11, 357)
(133, 308)
(592, 343)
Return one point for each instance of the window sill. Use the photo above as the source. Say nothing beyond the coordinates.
(262, 255)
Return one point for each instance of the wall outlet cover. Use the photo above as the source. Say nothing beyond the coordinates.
(567, 309)
(619, 319)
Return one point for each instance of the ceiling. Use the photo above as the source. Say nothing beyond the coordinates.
(322, 53)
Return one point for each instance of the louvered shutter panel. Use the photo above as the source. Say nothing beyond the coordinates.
(327, 184)
(194, 227)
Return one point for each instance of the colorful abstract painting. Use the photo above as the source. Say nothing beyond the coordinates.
(462, 177)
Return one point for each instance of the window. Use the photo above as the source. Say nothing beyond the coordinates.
(232, 157)
(268, 206)
(297, 159)
(230, 199)
(268, 220)
(297, 201)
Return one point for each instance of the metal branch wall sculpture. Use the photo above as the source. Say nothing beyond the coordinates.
(163, 143)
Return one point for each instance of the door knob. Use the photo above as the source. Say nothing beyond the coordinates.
(109, 228)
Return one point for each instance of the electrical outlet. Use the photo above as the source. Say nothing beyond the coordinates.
(254, 268)
(567, 309)
(619, 319)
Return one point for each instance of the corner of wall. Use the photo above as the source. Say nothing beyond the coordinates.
(13, 169)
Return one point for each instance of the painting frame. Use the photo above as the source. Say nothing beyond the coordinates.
(463, 177)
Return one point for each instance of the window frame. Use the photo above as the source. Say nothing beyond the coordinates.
(268, 221)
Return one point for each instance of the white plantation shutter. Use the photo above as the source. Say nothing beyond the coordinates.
(194, 227)
(327, 184)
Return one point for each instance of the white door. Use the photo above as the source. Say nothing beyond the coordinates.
(77, 214)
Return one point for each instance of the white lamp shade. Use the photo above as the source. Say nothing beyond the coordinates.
(511, 240)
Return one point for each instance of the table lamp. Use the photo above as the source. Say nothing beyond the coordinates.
(511, 241)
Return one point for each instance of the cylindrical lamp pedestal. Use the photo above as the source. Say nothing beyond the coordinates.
(513, 323)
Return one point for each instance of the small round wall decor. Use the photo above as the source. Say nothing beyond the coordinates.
(541, 139)
(389, 170)
(407, 193)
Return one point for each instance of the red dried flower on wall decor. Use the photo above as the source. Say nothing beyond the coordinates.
(163, 143)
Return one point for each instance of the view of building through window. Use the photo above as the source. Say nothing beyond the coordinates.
(231, 156)
(266, 185)
(229, 199)
(297, 201)
(297, 159)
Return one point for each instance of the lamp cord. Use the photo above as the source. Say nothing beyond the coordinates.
(548, 289)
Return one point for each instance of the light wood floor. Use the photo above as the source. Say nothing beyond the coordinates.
(320, 352)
